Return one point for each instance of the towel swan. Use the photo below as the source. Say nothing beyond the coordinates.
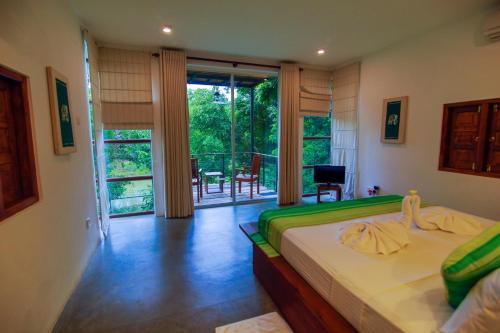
(441, 219)
(386, 237)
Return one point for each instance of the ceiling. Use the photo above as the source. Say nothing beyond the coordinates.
(273, 29)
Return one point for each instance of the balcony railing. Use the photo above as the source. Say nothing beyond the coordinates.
(136, 201)
(222, 162)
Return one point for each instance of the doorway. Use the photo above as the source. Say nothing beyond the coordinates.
(233, 136)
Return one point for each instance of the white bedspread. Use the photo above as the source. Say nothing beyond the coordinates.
(402, 292)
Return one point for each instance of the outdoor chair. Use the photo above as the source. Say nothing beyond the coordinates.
(196, 178)
(249, 174)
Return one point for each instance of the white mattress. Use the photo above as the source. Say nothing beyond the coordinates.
(401, 292)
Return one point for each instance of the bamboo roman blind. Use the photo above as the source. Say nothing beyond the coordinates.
(125, 79)
(315, 93)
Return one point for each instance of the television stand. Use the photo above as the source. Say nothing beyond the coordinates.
(329, 187)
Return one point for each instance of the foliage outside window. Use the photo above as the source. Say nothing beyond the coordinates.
(128, 170)
(210, 127)
(316, 148)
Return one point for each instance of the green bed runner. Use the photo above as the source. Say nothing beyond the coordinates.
(272, 223)
(264, 245)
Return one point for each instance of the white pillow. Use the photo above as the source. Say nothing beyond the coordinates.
(479, 312)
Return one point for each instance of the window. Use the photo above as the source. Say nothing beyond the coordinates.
(18, 184)
(89, 81)
(316, 149)
(128, 171)
(470, 141)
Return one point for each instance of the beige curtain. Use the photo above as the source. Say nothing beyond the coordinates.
(288, 189)
(315, 93)
(345, 123)
(178, 189)
(98, 132)
(126, 93)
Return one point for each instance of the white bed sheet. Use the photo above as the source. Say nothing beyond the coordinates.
(401, 292)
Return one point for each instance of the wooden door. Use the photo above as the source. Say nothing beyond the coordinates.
(463, 138)
(11, 186)
(493, 140)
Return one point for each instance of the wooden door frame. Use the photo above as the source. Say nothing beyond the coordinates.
(30, 168)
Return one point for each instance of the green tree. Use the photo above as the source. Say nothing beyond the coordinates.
(210, 126)
(315, 152)
(124, 160)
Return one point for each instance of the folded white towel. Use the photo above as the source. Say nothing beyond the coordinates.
(417, 216)
(380, 237)
(407, 211)
(375, 237)
(390, 236)
(445, 220)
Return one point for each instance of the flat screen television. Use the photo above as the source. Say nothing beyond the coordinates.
(329, 174)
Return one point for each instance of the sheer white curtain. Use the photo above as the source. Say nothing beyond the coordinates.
(345, 123)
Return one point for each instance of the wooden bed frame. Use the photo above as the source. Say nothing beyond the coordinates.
(301, 306)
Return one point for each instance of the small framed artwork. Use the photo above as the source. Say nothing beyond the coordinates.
(394, 120)
(63, 130)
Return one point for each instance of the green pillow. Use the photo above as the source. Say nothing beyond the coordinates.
(470, 262)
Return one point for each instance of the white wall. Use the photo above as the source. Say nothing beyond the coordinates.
(44, 249)
(450, 64)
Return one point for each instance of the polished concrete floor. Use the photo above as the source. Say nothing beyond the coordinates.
(157, 275)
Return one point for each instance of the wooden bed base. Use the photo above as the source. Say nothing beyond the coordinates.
(301, 306)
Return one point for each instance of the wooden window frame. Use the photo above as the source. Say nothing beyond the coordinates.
(480, 169)
(29, 165)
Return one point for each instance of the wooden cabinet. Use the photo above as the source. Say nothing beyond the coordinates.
(470, 138)
(18, 185)
(493, 140)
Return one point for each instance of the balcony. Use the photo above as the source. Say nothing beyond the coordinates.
(219, 188)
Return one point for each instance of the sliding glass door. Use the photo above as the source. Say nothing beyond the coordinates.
(255, 132)
(210, 136)
(233, 136)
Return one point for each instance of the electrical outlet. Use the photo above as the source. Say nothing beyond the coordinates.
(88, 222)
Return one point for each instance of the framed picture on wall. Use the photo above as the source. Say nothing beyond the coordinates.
(394, 120)
(63, 130)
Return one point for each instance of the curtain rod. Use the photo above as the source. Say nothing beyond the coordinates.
(234, 63)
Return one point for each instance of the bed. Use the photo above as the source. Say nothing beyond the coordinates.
(321, 285)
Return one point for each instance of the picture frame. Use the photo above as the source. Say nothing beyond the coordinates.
(394, 116)
(63, 129)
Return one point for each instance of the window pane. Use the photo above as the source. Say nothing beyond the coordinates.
(126, 134)
(130, 196)
(308, 185)
(209, 98)
(128, 159)
(317, 126)
(316, 152)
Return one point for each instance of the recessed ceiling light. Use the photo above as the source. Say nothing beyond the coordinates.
(167, 29)
(321, 51)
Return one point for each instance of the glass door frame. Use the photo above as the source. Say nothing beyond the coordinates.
(233, 72)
